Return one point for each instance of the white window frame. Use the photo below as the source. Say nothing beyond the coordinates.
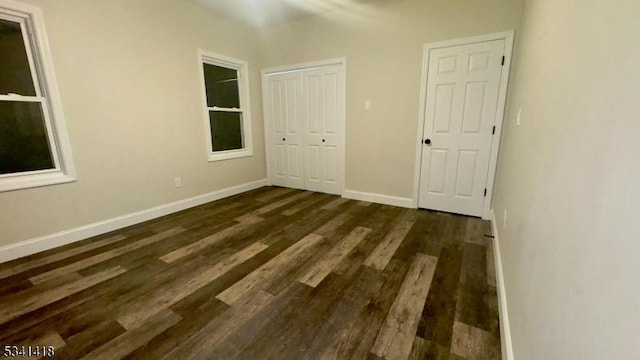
(206, 57)
(44, 80)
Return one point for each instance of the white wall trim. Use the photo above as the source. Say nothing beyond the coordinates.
(46, 242)
(508, 36)
(505, 330)
(379, 198)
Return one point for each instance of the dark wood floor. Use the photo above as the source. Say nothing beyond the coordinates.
(270, 274)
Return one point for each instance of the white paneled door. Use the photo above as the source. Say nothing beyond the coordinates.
(323, 100)
(463, 84)
(315, 111)
(284, 105)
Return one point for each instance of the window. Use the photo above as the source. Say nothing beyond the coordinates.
(34, 149)
(226, 97)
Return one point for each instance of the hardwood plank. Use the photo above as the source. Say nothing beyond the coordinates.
(380, 221)
(37, 337)
(8, 271)
(82, 343)
(396, 337)
(258, 278)
(471, 305)
(273, 193)
(130, 340)
(385, 250)
(193, 320)
(315, 198)
(357, 338)
(341, 318)
(216, 331)
(333, 230)
(472, 343)
(289, 235)
(425, 349)
(438, 315)
(28, 301)
(12, 286)
(259, 331)
(177, 291)
(290, 333)
(491, 265)
(280, 203)
(418, 349)
(335, 204)
(103, 256)
(329, 228)
(208, 241)
(331, 259)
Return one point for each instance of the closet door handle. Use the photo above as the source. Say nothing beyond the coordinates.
(322, 140)
(283, 139)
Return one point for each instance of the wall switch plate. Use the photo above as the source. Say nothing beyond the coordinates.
(367, 105)
(178, 182)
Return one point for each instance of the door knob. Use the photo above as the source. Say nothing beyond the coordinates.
(283, 139)
(322, 140)
(427, 141)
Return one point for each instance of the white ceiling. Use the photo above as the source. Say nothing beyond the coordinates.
(265, 12)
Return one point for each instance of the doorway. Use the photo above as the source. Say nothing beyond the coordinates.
(462, 107)
(305, 112)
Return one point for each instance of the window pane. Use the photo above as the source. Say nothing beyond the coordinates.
(222, 86)
(23, 138)
(226, 130)
(15, 74)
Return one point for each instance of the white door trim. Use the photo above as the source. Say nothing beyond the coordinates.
(508, 36)
(267, 117)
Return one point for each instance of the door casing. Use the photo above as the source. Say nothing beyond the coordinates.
(508, 36)
(268, 121)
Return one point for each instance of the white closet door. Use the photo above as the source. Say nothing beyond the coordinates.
(284, 106)
(462, 97)
(323, 126)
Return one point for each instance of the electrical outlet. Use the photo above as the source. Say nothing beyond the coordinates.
(367, 105)
(504, 219)
(178, 182)
(519, 116)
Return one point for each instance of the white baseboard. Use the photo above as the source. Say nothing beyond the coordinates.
(505, 330)
(380, 199)
(46, 242)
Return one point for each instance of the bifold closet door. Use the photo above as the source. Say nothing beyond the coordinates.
(305, 112)
(323, 128)
(284, 106)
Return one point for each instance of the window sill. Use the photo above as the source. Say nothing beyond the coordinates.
(230, 154)
(27, 181)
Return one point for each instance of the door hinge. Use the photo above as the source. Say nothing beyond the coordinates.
(494, 131)
(485, 192)
(503, 58)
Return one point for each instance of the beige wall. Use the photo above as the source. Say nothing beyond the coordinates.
(128, 78)
(382, 42)
(569, 178)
